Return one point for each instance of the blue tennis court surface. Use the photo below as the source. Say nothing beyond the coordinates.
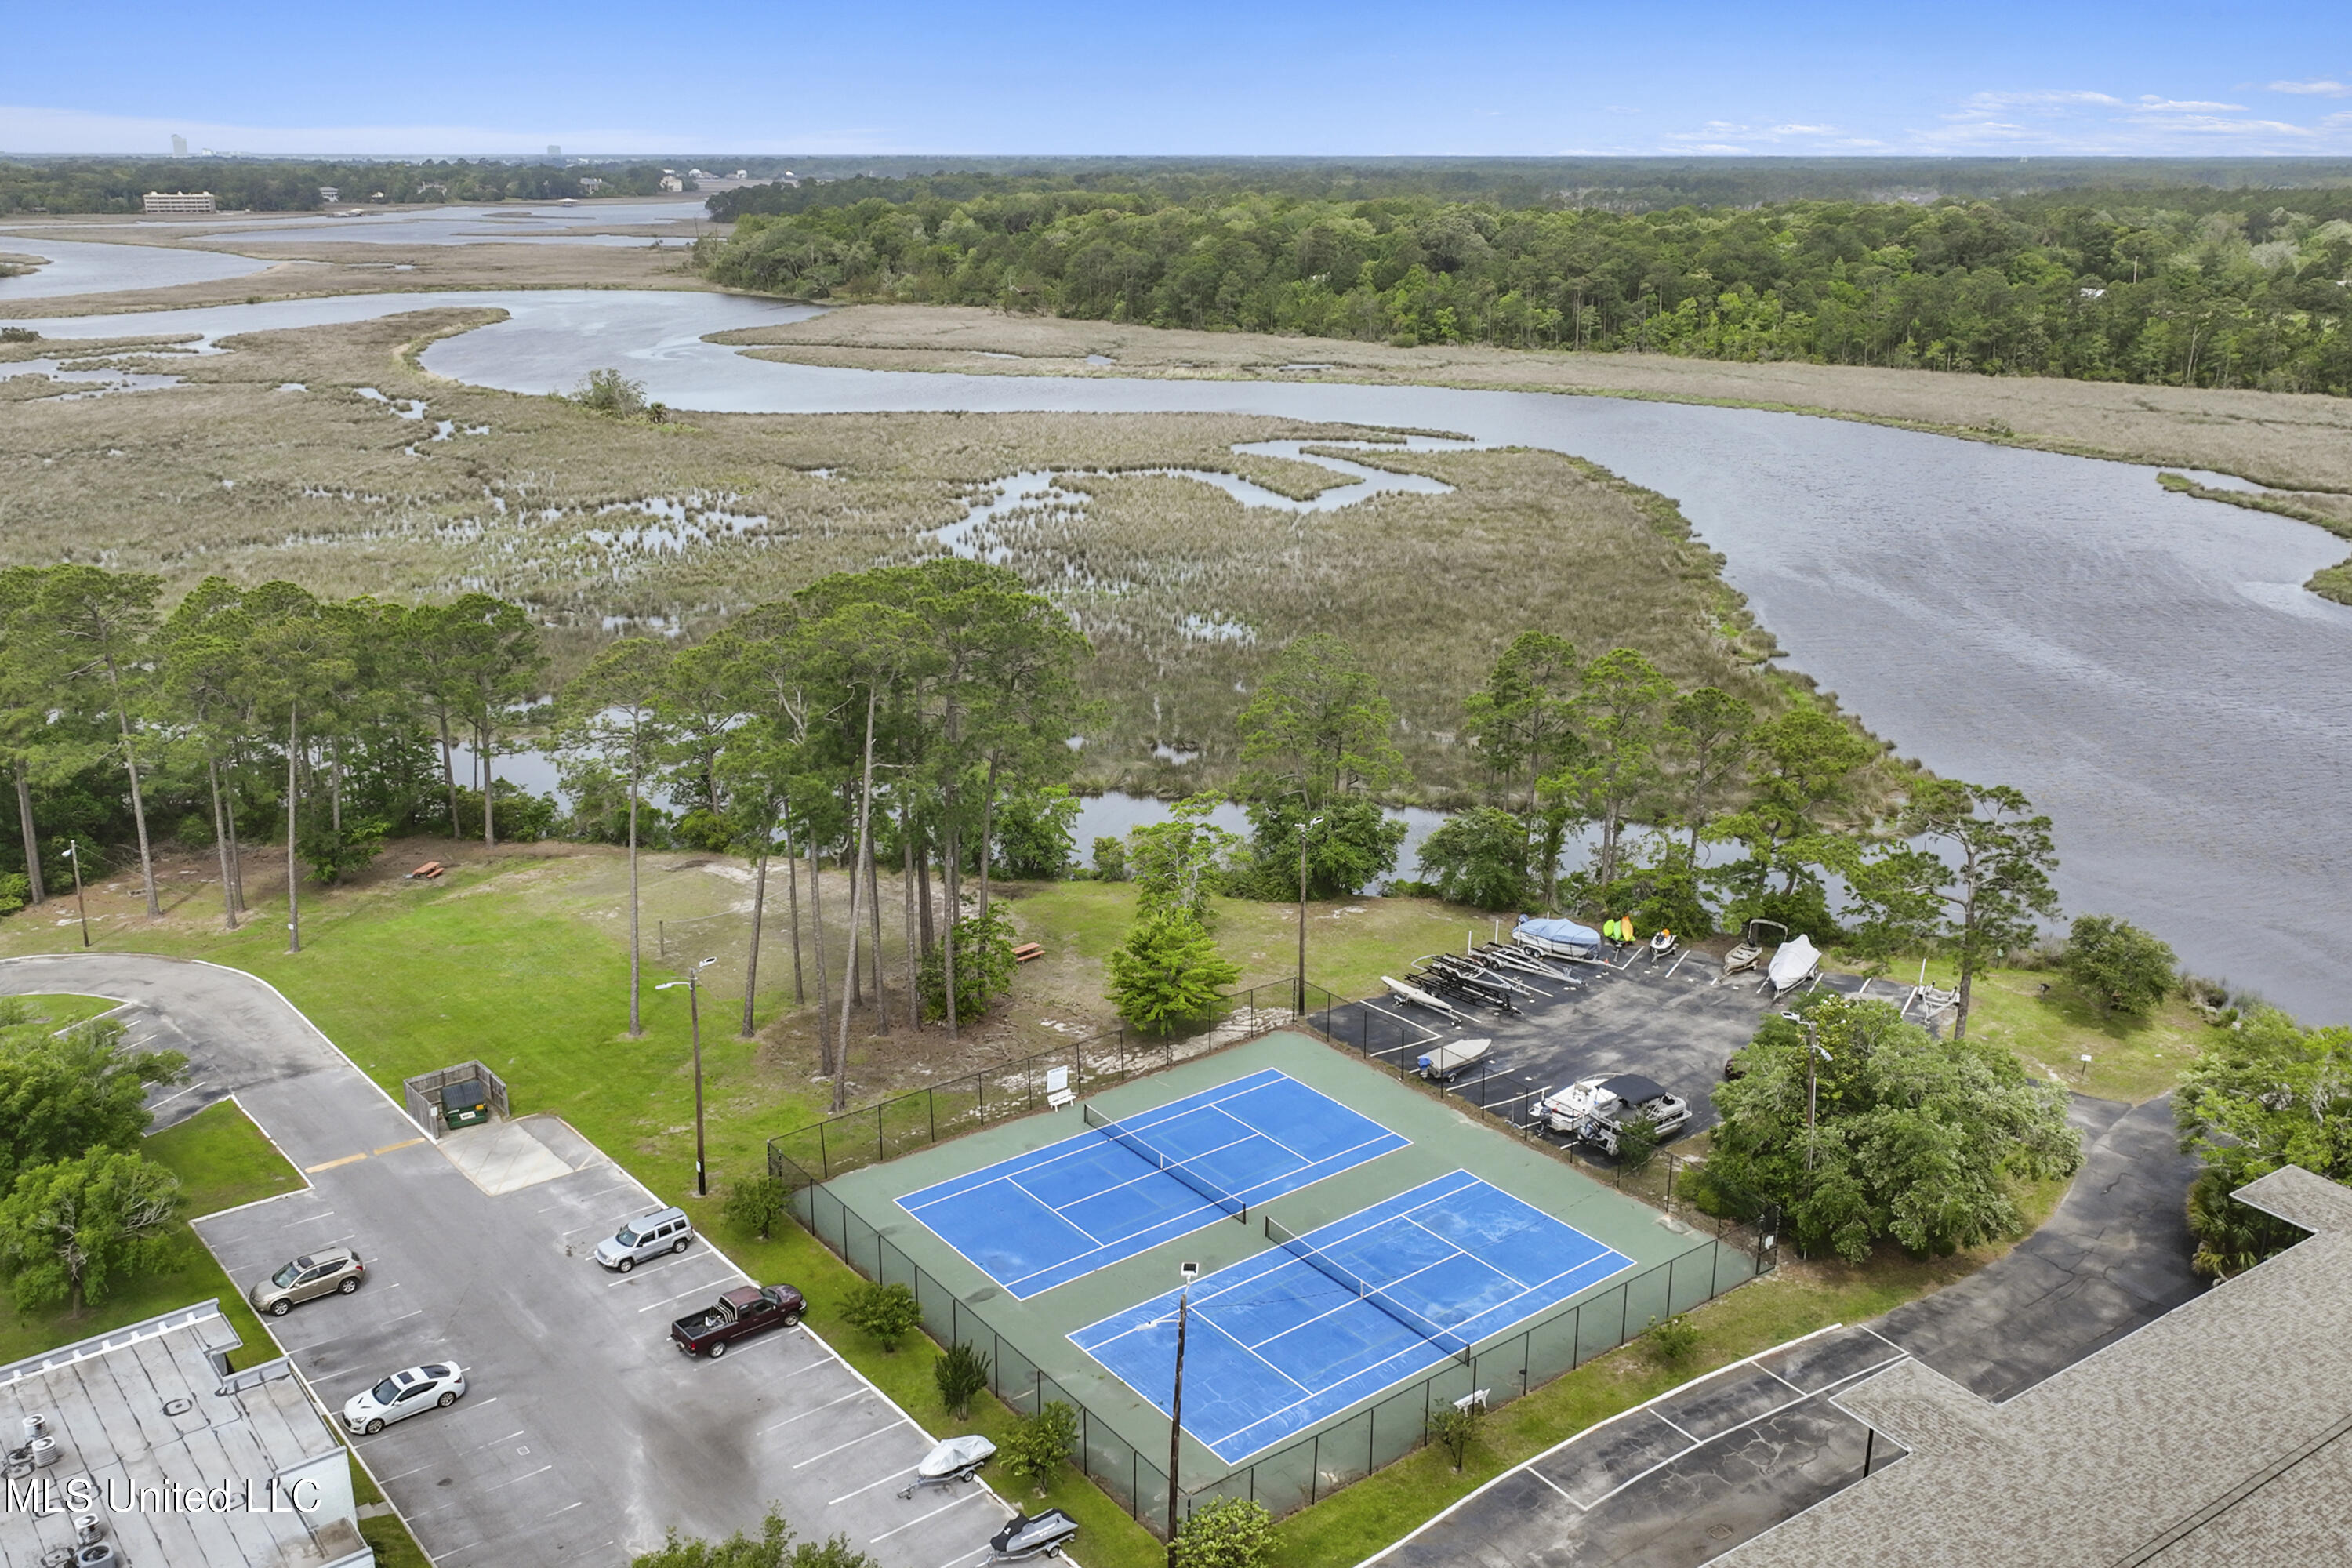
(1277, 1344)
(1046, 1217)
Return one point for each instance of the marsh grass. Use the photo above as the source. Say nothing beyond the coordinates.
(602, 525)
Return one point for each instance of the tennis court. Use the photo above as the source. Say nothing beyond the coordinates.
(1120, 1188)
(1314, 1324)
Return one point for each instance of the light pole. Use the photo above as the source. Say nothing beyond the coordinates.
(1815, 1053)
(1188, 1272)
(1309, 825)
(74, 855)
(694, 1011)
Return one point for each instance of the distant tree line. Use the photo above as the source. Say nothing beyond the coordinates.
(2192, 286)
(258, 185)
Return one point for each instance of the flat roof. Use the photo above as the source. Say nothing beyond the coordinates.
(141, 1418)
(2220, 1433)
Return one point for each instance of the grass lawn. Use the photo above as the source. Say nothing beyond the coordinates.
(223, 1160)
(62, 1010)
(2051, 1026)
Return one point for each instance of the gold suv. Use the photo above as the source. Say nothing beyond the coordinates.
(337, 1270)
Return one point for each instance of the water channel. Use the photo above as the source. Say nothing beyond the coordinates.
(2145, 665)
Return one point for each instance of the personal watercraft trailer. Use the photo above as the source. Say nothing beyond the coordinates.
(1025, 1536)
(957, 1459)
(1796, 962)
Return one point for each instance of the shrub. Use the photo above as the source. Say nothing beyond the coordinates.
(70, 1232)
(607, 391)
(773, 1547)
(887, 1314)
(1034, 838)
(2125, 968)
(960, 1373)
(1672, 1339)
(1637, 1142)
(1228, 1532)
(1455, 1427)
(1479, 857)
(983, 963)
(1039, 1445)
(1168, 971)
(15, 891)
(1111, 859)
(756, 1203)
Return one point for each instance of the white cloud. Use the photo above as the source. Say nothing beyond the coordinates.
(2084, 122)
(28, 129)
(2321, 89)
(2149, 103)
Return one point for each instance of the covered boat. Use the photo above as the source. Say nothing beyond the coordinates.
(1564, 938)
(1796, 962)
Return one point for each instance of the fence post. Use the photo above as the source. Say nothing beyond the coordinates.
(824, 1160)
(932, 1111)
(880, 1153)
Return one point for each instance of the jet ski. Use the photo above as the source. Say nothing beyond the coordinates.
(957, 1459)
(1662, 944)
(1026, 1535)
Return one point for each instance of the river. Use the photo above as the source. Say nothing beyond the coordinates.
(2145, 665)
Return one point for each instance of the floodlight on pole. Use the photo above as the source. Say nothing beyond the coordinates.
(694, 1011)
(1188, 1272)
(73, 853)
(1309, 825)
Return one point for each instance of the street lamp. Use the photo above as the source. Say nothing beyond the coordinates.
(74, 855)
(1815, 1053)
(1188, 1272)
(1309, 825)
(694, 1011)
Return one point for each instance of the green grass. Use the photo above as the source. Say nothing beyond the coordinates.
(1799, 1298)
(223, 1160)
(60, 1009)
(2041, 1015)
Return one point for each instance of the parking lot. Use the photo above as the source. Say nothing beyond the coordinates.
(1668, 1021)
(583, 1434)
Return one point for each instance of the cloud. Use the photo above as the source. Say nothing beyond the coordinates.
(1985, 102)
(2084, 122)
(2321, 89)
(2149, 103)
(30, 129)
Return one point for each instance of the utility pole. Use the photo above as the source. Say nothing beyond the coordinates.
(1189, 1271)
(694, 1011)
(1304, 828)
(74, 855)
(1815, 1053)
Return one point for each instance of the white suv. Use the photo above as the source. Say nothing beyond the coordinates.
(647, 1235)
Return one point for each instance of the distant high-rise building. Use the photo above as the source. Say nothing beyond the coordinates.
(179, 146)
(553, 150)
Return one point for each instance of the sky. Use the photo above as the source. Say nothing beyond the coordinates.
(1298, 77)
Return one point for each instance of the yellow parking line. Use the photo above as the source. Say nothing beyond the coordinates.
(406, 1143)
(330, 1164)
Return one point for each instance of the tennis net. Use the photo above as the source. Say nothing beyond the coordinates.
(1452, 1344)
(1176, 1168)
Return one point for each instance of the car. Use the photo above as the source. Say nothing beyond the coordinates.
(334, 1270)
(746, 1310)
(647, 1235)
(434, 1386)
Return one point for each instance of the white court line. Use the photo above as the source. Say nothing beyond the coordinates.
(921, 1517)
(893, 1426)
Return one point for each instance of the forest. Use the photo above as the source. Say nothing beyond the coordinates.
(275, 185)
(2194, 285)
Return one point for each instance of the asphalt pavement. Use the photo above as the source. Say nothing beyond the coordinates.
(583, 1434)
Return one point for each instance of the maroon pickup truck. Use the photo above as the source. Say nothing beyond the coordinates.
(741, 1313)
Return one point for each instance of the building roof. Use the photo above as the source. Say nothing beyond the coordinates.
(2220, 1433)
(143, 1409)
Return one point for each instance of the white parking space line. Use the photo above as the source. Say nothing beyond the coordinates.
(567, 1507)
(806, 1414)
(976, 1551)
(670, 1262)
(921, 1517)
(682, 1295)
(169, 1098)
(885, 1480)
(511, 1480)
(829, 1453)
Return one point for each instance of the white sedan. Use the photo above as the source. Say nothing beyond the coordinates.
(403, 1394)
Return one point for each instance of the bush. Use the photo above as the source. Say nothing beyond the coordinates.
(1039, 1445)
(983, 965)
(773, 1547)
(2125, 968)
(1672, 1339)
(1637, 1142)
(1662, 895)
(15, 891)
(960, 1373)
(1033, 837)
(1355, 845)
(2231, 1236)
(756, 1203)
(887, 1314)
(1455, 1427)
(1111, 859)
(607, 391)
(72, 1231)
(1228, 1532)
(1168, 971)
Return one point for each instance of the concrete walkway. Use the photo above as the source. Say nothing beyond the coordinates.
(584, 1435)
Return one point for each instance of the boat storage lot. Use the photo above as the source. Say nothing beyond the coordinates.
(583, 1433)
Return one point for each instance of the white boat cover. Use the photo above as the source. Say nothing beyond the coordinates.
(1796, 959)
(955, 1453)
(1566, 933)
